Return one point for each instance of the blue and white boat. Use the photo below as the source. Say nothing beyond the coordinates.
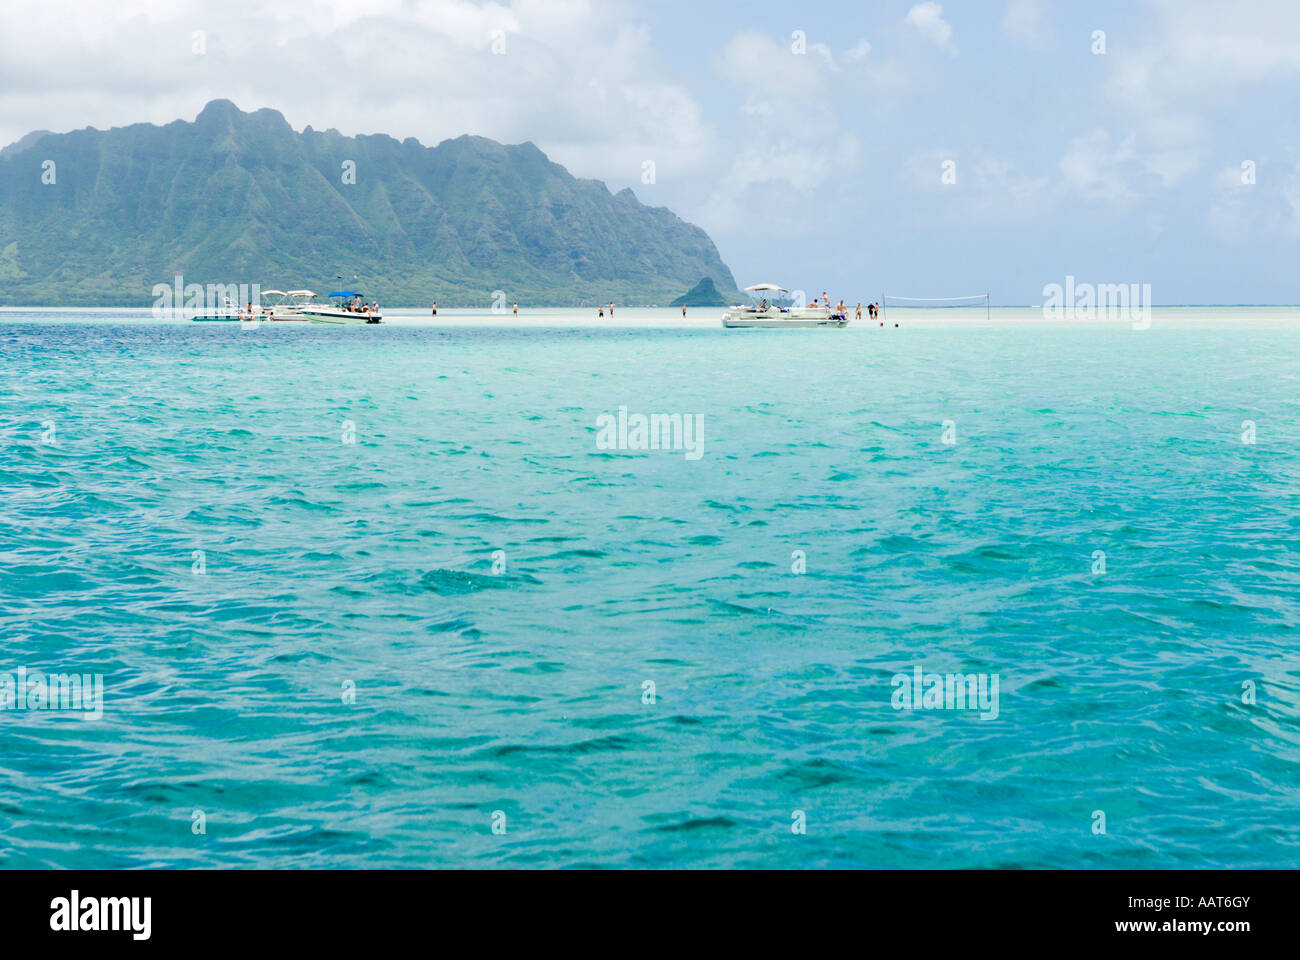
(346, 306)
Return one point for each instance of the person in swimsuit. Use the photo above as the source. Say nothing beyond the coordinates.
(435, 308)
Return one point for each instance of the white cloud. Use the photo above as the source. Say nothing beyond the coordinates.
(928, 20)
(767, 68)
(857, 52)
(1176, 84)
(1231, 204)
(1023, 20)
(581, 78)
(984, 185)
(1172, 166)
(1098, 169)
(1290, 185)
(1204, 59)
(823, 51)
(1266, 203)
(793, 141)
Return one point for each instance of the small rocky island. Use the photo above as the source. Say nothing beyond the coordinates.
(703, 294)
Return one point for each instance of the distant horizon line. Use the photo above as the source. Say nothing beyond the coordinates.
(652, 306)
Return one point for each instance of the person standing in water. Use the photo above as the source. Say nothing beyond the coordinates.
(600, 312)
(516, 308)
(858, 314)
(435, 308)
(683, 311)
(611, 311)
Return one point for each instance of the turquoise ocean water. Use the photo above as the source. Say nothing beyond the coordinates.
(349, 684)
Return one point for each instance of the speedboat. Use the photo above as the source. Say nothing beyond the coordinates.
(349, 308)
(765, 310)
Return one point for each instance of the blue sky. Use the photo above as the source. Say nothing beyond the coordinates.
(821, 169)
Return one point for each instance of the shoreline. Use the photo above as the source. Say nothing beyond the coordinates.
(699, 317)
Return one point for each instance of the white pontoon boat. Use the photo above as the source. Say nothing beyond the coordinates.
(289, 306)
(766, 310)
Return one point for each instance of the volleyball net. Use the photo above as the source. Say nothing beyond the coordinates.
(964, 306)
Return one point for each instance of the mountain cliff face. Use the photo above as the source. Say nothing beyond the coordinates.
(242, 198)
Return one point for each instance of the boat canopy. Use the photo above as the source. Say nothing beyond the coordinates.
(344, 293)
(273, 293)
(766, 286)
(301, 293)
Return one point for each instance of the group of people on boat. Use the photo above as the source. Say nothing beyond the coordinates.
(838, 311)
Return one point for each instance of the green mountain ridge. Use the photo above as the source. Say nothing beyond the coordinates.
(239, 197)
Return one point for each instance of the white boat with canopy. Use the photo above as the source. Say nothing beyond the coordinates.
(291, 304)
(770, 306)
(271, 305)
(275, 305)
